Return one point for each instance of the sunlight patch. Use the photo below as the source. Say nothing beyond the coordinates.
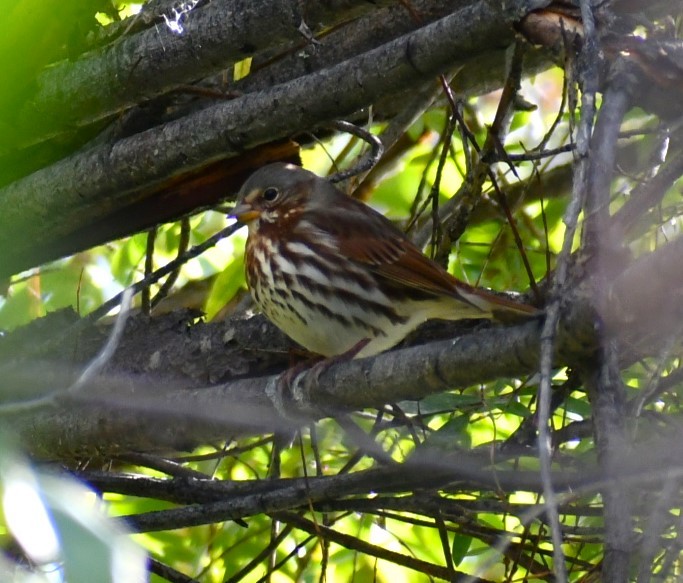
(175, 23)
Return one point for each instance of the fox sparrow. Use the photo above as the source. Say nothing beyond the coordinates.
(336, 276)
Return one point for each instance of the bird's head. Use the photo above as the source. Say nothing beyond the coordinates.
(275, 193)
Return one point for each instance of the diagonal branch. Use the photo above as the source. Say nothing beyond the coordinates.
(72, 190)
(154, 61)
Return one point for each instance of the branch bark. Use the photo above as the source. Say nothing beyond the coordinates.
(84, 186)
(603, 380)
(154, 61)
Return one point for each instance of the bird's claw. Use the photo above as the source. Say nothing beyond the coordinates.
(290, 392)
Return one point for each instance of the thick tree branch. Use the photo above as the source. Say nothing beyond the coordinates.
(127, 413)
(156, 60)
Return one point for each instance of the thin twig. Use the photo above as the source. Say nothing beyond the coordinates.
(376, 150)
(169, 573)
(149, 268)
(157, 275)
(183, 243)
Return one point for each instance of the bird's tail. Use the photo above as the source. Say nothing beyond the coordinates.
(499, 307)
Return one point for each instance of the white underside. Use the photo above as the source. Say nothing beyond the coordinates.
(331, 338)
(328, 336)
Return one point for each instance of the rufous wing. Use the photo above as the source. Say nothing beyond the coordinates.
(399, 261)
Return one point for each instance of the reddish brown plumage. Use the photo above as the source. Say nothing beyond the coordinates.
(330, 271)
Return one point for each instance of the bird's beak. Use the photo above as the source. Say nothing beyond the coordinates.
(244, 213)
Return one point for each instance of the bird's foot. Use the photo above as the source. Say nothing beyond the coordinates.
(292, 392)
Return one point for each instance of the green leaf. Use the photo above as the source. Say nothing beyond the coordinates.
(452, 434)
(461, 544)
(517, 408)
(224, 288)
(440, 402)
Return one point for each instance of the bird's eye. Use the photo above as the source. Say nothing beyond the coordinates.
(270, 194)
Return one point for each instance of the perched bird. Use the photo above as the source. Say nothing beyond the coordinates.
(338, 277)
